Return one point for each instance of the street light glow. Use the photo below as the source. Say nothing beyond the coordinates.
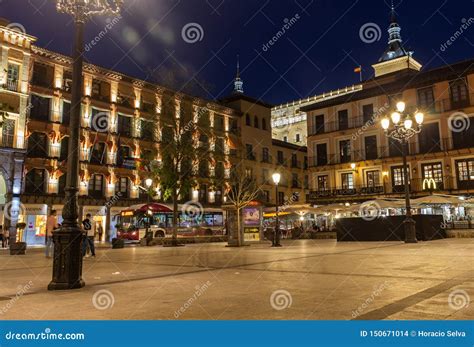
(148, 182)
(401, 106)
(396, 117)
(419, 117)
(276, 178)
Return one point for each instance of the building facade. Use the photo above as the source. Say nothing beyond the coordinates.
(122, 127)
(351, 158)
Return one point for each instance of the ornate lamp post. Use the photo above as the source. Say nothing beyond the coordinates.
(276, 238)
(148, 184)
(401, 126)
(67, 267)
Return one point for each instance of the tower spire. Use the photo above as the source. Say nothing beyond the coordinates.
(238, 83)
(395, 47)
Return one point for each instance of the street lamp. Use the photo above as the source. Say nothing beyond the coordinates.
(67, 266)
(402, 126)
(276, 238)
(148, 183)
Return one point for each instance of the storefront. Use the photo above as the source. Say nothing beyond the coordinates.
(35, 219)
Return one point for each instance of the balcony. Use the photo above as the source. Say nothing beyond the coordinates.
(12, 85)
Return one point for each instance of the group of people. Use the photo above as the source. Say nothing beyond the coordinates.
(4, 236)
(89, 227)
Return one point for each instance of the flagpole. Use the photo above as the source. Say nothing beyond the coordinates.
(360, 73)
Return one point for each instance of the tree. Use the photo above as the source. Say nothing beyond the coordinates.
(175, 171)
(241, 192)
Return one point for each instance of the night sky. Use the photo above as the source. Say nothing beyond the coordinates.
(317, 53)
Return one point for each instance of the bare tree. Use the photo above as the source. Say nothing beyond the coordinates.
(242, 191)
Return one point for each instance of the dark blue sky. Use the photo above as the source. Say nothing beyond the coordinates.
(318, 53)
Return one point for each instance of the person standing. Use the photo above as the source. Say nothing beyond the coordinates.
(51, 225)
(6, 237)
(100, 232)
(89, 240)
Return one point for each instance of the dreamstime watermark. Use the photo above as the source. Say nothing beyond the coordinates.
(13, 209)
(111, 202)
(16, 27)
(376, 293)
(192, 33)
(370, 33)
(22, 290)
(199, 291)
(372, 121)
(466, 23)
(370, 211)
(103, 299)
(459, 122)
(46, 335)
(288, 24)
(281, 300)
(100, 122)
(459, 299)
(193, 210)
(111, 23)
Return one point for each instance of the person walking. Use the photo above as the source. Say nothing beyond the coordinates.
(51, 225)
(89, 239)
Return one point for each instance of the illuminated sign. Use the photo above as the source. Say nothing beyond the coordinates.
(429, 184)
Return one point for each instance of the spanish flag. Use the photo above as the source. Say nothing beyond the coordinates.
(358, 69)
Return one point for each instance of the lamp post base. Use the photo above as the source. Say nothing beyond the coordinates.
(67, 266)
(410, 230)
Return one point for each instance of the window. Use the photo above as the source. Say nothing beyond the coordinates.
(62, 184)
(297, 138)
(124, 125)
(98, 154)
(465, 173)
(266, 196)
(264, 124)
(395, 148)
(35, 181)
(67, 81)
(203, 168)
(124, 153)
(465, 138)
(398, 179)
(280, 158)
(295, 197)
(429, 138)
(64, 149)
(459, 94)
(37, 145)
(433, 171)
(123, 186)
(13, 76)
(370, 143)
(203, 194)
(40, 108)
(295, 181)
(321, 154)
(220, 146)
(220, 170)
(323, 183)
(265, 155)
(345, 151)
(347, 181)
(306, 182)
(66, 116)
(368, 112)
(219, 123)
(294, 160)
(96, 186)
(372, 178)
(8, 133)
(249, 173)
(147, 130)
(305, 162)
(249, 152)
(247, 119)
(285, 138)
(255, 122)
(318, 124)
(426, 99)
(96, 88)
(42, 75)
(343, 119)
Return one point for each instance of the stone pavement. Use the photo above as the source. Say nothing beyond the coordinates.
(311, 279)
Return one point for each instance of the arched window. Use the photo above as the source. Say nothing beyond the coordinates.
(264, 124)
(255, 122)
(247, 120)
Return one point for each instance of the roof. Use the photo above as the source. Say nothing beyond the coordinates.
(237, 97)
(288, 145)
(396, 82)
